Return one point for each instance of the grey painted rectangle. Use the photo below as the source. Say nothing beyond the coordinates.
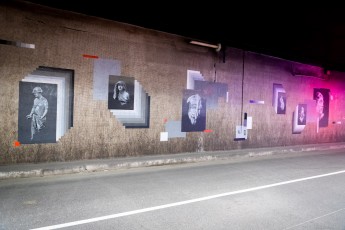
(147, 118)
(101, 70)
(212, 91)
(141, 118)
(174, 129)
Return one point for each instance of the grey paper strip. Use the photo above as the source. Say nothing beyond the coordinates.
(18, 44)
(101, 70)
(174, 129)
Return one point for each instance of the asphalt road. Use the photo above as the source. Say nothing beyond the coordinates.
(294, 191)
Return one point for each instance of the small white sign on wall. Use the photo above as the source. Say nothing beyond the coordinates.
(249, 122)
(241, 132)
(164, 136)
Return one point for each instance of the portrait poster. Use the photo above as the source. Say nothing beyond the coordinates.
(121, 93)
(279, 98)
(281, 103)
(193, 111)
(37, 113)
(299, 118)
(60, 119)
(321, 97)
(302, 114)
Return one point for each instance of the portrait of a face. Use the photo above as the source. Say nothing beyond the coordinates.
(299, 118)
(302, 114)
(321, 97)
(194, 107)
(193, 111)
(319, 105)
(121, 92)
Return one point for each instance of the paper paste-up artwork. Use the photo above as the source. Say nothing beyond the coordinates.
(321, 97)
(51, 113)
(193, 111)
(279, 98)
(37, 113)
(299, 118)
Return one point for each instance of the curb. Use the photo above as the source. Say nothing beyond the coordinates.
(220, 155)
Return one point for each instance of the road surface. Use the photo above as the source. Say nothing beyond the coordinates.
(289, 191)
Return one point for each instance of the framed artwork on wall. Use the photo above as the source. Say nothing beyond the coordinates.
(37, 113)
(121, 93)
(281, 103)
(193, 111)
(321, 97)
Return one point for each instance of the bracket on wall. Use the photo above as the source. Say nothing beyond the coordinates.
(218, 47)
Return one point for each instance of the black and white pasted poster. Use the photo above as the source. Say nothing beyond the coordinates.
(299, 118)
(121, 93)
(193, 111)
(281, 105)
(302, 114)
(279, 98)
(321, 96)
(37, 113)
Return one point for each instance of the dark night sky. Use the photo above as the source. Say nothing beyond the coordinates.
(309, 35)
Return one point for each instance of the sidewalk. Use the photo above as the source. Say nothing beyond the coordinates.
(58, 168)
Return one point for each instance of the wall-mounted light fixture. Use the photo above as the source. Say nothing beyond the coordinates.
(217, 47)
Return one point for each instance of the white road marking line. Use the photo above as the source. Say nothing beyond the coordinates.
(79, 222)
(339, 210)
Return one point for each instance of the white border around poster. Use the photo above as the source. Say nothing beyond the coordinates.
(64, 116)
(59, 104)
(135, 113)
(193, 75)
(276, 91)
(296, 127)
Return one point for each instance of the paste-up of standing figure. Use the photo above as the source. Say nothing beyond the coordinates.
(120, 92)
(301, 115)
(319, 105)
(281, 103)
(194, 107)
(38, 112)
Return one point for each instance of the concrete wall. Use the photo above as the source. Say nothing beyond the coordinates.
(159, 61)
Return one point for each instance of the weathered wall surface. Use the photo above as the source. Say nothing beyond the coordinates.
(159, 61)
